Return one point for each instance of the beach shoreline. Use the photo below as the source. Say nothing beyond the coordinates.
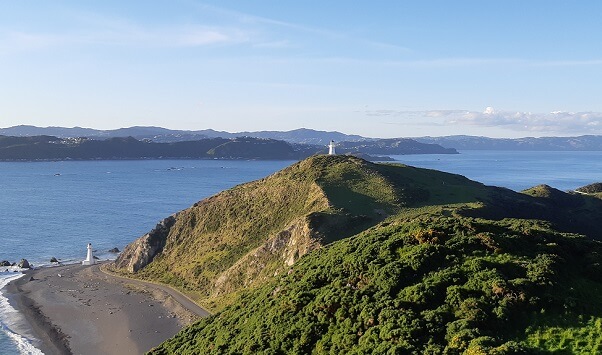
(76, 309)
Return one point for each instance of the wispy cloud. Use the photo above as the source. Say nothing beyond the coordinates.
(95, 29)
(552, 122)
(249, 19)
(15, 41)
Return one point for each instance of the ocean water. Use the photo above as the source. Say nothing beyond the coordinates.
(53, 209)
(516, 170)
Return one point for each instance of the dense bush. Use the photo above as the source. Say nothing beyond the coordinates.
(426, 286)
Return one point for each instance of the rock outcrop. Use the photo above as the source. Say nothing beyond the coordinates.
(141, 252)
(24, 264)
(273, 257)
(4, 263)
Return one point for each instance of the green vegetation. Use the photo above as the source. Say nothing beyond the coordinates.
(338, 255)
(426, 285)
(53, 148)
(244, 236)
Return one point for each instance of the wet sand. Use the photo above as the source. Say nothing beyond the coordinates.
(77, 309)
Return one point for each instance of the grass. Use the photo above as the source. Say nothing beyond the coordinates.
(382, 256)
(432, 284)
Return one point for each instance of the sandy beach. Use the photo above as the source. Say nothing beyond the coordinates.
(75, 309)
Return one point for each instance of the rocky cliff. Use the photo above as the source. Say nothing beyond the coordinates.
(140, 253)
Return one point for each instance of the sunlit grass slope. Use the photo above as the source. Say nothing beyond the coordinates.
(245, 236)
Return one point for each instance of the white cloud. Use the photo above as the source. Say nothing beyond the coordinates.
(14, 41)
(556, 122)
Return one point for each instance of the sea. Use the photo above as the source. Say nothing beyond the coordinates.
(54, 209)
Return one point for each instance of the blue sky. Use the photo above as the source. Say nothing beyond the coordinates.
(375, 68)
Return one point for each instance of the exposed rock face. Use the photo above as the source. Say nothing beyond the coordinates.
(4, 263)
(274, 256)
(24, 264)
(141, 252)
(114, 250)
(53, 260)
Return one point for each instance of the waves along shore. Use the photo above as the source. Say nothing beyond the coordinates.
(75, 309)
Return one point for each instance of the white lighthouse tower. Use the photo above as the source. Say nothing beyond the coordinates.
(89, 258)
(331, 150)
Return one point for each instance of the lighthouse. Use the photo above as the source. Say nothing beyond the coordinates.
(331, 148)
(89, 258)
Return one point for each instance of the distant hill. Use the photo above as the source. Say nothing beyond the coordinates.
(53, 148)
(581, 143)
(314, 137)
(338, 255)
(163, 135)
(393, 146)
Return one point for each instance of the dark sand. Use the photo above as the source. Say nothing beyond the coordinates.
(85, 311)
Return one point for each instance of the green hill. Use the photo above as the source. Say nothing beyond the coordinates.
(338, 255)
(53, 148)
(425, 285)
(244, 236)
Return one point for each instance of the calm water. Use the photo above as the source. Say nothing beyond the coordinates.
(517, 170)
(55, 208)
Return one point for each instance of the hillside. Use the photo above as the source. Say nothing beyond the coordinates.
(244, 236)
(425, 285)
(336, 254)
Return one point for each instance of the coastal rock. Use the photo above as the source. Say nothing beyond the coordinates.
(114, 250)
(140, 253)
(4, 263)
(24, 264)
(298, 239)
(53, 260)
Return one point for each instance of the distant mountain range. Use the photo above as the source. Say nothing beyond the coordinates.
(43, 147)
(164, 135)
(318, 138)
(53, 148)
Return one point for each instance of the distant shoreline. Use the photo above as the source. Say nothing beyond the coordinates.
(80, 309)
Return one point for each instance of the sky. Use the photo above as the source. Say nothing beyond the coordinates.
(511, 68)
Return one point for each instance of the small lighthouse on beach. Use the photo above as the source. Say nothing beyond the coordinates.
(89, 258)
(331, 150)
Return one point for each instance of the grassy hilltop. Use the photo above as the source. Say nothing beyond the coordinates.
(338, 255)
(245, 236)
